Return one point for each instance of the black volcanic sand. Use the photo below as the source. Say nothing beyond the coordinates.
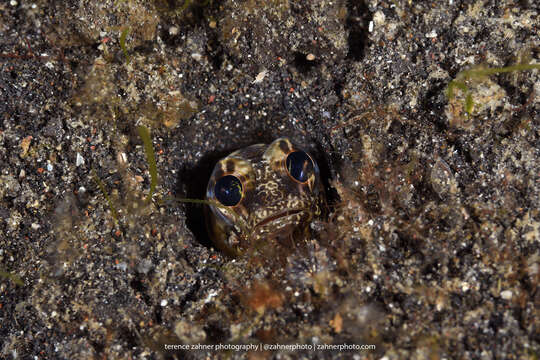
(430, 245)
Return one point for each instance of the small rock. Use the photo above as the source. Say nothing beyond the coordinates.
(9, 186)
(25, 145)
(432, 34)
(442, 179)
(506, 294)
(260, 77)
(379, 18)
(80, 160)
(144, 266)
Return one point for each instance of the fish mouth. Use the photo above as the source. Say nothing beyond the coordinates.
(277, 216)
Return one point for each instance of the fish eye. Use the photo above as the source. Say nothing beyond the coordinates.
(228, 190)
(300, 166)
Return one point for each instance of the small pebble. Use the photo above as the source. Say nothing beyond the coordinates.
(506, 294)
(80, 160)
(260, 77)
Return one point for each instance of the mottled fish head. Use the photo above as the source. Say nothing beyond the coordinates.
(260, 193)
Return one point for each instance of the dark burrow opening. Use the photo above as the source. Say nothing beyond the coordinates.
(192, 182)
(301, 62)
(357, 24)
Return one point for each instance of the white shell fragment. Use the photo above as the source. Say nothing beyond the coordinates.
(260, 77)
(80, 160)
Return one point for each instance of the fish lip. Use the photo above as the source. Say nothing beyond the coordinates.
(278, 215)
